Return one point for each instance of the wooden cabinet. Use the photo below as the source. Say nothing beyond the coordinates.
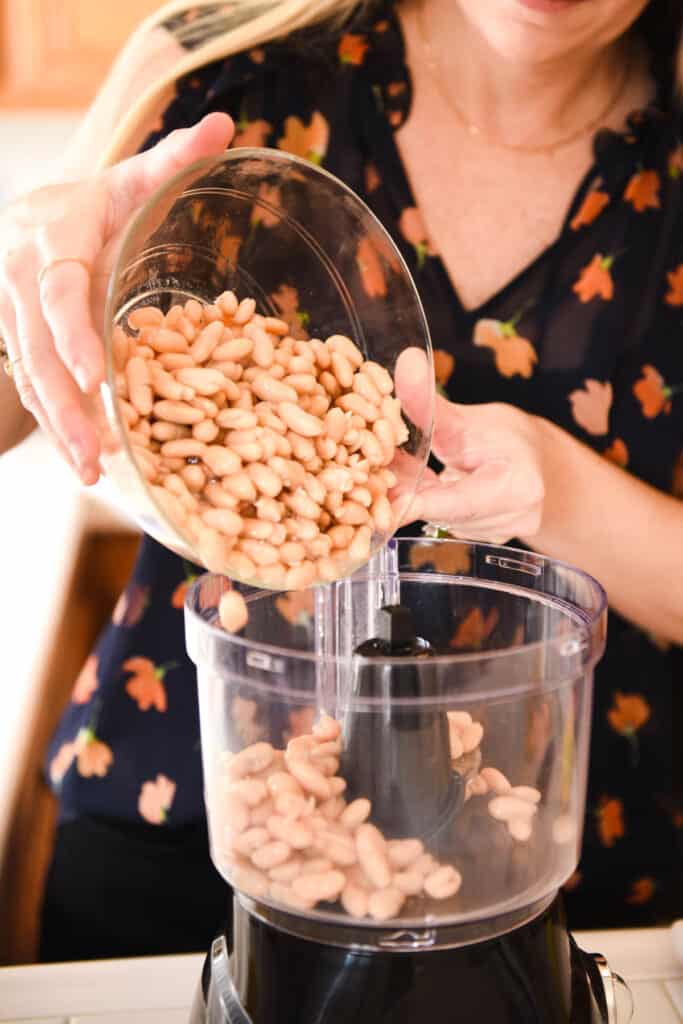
(55, 53)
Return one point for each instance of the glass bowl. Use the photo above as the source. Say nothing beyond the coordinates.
(278, 229)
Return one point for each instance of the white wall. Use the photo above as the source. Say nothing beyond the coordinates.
(43, 509)
(29, 143)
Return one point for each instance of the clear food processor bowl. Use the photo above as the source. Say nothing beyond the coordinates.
(452, 750)
(288, 234)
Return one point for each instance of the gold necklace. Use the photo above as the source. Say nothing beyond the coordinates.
(436, 72)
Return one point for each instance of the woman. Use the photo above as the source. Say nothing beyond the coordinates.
(543, 227)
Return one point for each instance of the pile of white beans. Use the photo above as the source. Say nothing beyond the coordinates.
(285, 832)
(271, 455)
(516, 806)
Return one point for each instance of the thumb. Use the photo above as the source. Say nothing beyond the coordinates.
(133, 181)
(415, 387)
(451, 425)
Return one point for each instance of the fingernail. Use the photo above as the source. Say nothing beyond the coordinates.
(87, 380)
(82, 378)
(80, 453)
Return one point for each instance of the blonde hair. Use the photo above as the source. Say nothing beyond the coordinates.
(216, 31)
(219, 30)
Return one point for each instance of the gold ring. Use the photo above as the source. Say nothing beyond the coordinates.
(55, 263)
(5, 360)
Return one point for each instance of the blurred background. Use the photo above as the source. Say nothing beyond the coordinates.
(65, 555)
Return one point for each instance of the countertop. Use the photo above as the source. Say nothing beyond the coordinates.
(159, 990)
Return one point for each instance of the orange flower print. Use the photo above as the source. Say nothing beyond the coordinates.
(452, 559)
(352, 49)
(61, 762)
(286, 298)
(413, 230)
(296, 607)
(155, 800)
(595, 279)
(676, 162)
(629, 713)
(677, 477)
(380, 26)
(306, 140)
(513, 353)
(201, 217)
(180, 592)
(146, 683)
(674, 297)
(652, 392)
(244, 717)
(228, 248)
(591, 406)
(372, 178)
(93, 756)
(86, 684)
(610, 820)
(444, 364)
(265, 212)
(300, 722)
(660, 642)
(396, 120)
(395, 89)
(257, 56)
(642, 191)
(617, 453)
(251, 133)
(371, 270)
(642, 890)
(573, 882)
(474, 628)
(131, 605)
(591, 208)
(539, 733)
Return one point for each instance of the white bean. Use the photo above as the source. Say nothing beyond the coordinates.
(386, 903)
(443, 883)
(327, 886)
(372, 855)
(252, 759)
(356, 813)
(529, 793)
(404, 852)
(495, 780)
(504, 808)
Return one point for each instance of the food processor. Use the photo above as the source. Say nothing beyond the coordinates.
(395, 773)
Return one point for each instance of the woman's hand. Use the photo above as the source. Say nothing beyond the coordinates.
(56, 247)
(491, 487)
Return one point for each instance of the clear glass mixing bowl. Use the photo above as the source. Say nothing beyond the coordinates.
(433, 739)
(306, 248)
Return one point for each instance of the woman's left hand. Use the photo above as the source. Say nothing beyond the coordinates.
(491, 487)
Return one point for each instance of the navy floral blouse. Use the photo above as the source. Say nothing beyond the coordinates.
(589, 335)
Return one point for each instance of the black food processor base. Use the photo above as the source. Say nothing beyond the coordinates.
(535, 974)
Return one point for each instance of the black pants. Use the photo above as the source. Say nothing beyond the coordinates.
(118, 890)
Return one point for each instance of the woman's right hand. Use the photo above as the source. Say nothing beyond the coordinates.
(48, 240)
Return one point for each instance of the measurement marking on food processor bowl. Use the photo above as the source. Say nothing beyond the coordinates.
(263, 661)
(514, 565)
(409, 940)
